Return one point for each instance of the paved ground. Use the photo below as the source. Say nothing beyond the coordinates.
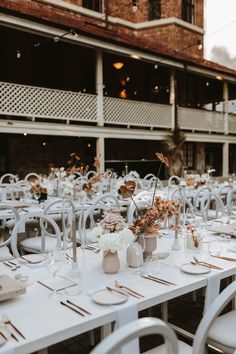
(183, 311)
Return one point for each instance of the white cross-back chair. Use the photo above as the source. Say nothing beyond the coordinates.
(231, 197)
(201, 192)
(32, 176)
(8, 178)
(212, 212)
(7, 226)
(39, 244)
(173, 180)
(135, 329)
(93, 214)
(223, 192)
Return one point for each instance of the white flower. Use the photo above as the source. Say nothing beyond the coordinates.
(111, 241)
(127, 236)
(95, 234)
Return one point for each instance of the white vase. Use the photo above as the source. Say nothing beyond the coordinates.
(110, 262)
(134, 255)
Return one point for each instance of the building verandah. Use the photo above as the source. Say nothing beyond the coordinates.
(66, 88)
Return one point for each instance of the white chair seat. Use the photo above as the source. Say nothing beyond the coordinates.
(33, 244)
(5, 254)
(222, 332)
(161, 349)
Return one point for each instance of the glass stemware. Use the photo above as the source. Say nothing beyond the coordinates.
(54, 263)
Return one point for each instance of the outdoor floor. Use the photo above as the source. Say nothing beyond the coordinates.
(183, 312)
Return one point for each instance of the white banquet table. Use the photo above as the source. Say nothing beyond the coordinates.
(45, 321)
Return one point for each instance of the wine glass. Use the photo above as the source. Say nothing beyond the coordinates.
(53, 262)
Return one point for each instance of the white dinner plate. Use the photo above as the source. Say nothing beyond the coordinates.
(106, 297)
(194, 269)
(32, 258)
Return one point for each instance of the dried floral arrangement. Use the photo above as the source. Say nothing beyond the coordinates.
(37, 187)
(91, 185)
(149, 222)
(195, 237)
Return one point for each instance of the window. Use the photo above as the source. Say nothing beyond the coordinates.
(188, 155)
(154, 10)
(188, 11)
(95, 5)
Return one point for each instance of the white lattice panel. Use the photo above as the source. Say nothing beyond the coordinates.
(197, 119)
(145, 114)
(232, 123)
(22, 100)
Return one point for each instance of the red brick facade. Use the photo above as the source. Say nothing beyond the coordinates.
(168, 38)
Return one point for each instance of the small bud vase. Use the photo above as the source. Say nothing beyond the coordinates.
(110, 262)
(150, 245)
(134, 255)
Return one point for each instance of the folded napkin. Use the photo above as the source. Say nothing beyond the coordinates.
(212, 289)
(124, 314)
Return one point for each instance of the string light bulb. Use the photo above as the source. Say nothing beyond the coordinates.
(199, 45)
(72, 31)
(18, 54)
(134, 5)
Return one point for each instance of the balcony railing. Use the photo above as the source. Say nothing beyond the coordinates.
(201, 120)
(38, 102)
(136, 113)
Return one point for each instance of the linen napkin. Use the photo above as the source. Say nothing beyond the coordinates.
(212, 289)
(124, 314)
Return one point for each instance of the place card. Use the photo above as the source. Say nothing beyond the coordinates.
(60, 283)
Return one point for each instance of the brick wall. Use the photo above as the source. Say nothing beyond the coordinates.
(172, 37)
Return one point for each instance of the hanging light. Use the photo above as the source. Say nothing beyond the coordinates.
(18, 54)
(199, 45)
(134, 5)
(118, 65)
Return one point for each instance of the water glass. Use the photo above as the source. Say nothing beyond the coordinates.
(73, 281)
(54, 261)
(152, 264)
(214, 248)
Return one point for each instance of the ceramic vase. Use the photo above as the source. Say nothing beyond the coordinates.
(150, 245)
(110, 262)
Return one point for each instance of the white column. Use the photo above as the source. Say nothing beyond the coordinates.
(226, 99)
(172, 99)
(225, 160)
(99, 87)
(100, 148)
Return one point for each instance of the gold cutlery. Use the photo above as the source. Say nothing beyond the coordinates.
(116, 291)
(153, 279)
(92, 248)
(12, 267)
(72, 308)
(164, 281)
(119, 285)
(226, 258)
(3, 335)
(80, 308)
(6, 320)
(209, 265)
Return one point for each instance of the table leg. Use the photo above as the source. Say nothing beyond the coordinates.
(164, 311)
(105, 330)
(43, 351)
